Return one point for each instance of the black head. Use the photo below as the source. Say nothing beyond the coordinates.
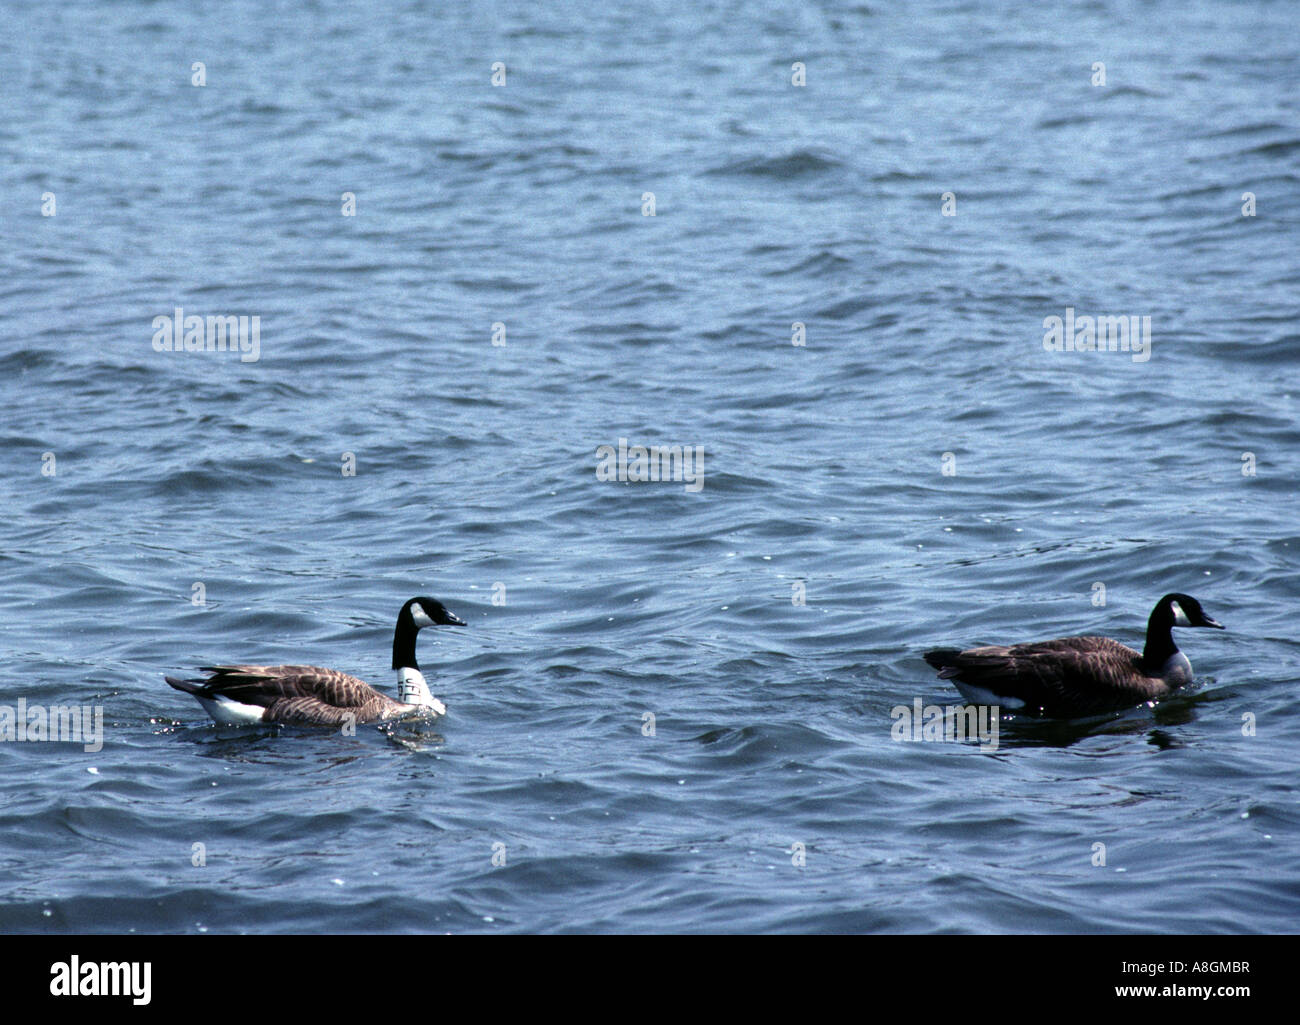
(1184, 610)
(424, 612)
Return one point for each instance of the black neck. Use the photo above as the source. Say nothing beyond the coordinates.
(404, 644)
(1160, 637)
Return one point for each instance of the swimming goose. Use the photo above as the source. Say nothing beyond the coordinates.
(236, 695)
(1076, 676)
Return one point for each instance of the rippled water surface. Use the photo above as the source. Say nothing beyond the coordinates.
(920, 472)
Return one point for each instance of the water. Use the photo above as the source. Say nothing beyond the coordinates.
(475, 464)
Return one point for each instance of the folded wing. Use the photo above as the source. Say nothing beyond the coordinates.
(1078, 673)
(295, 694)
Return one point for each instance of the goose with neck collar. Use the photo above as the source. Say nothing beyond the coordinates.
(310, 695)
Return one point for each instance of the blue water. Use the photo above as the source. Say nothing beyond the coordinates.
(922, 468)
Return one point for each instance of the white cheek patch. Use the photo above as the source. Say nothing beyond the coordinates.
(1180, 617)
(419, 617)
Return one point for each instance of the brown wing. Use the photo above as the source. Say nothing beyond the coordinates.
(268, 685)
(1069, 676)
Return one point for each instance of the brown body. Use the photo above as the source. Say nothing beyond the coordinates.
(307, 695)
(1077, 676)
(1070, 676)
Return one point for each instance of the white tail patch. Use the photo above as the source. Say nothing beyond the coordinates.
(982, 696)
(226, 712)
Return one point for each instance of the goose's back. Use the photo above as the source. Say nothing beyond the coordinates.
(1074, 674)
(302, 694)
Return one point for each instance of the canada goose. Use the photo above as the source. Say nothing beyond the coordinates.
(236, 695)
(1076, 676)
